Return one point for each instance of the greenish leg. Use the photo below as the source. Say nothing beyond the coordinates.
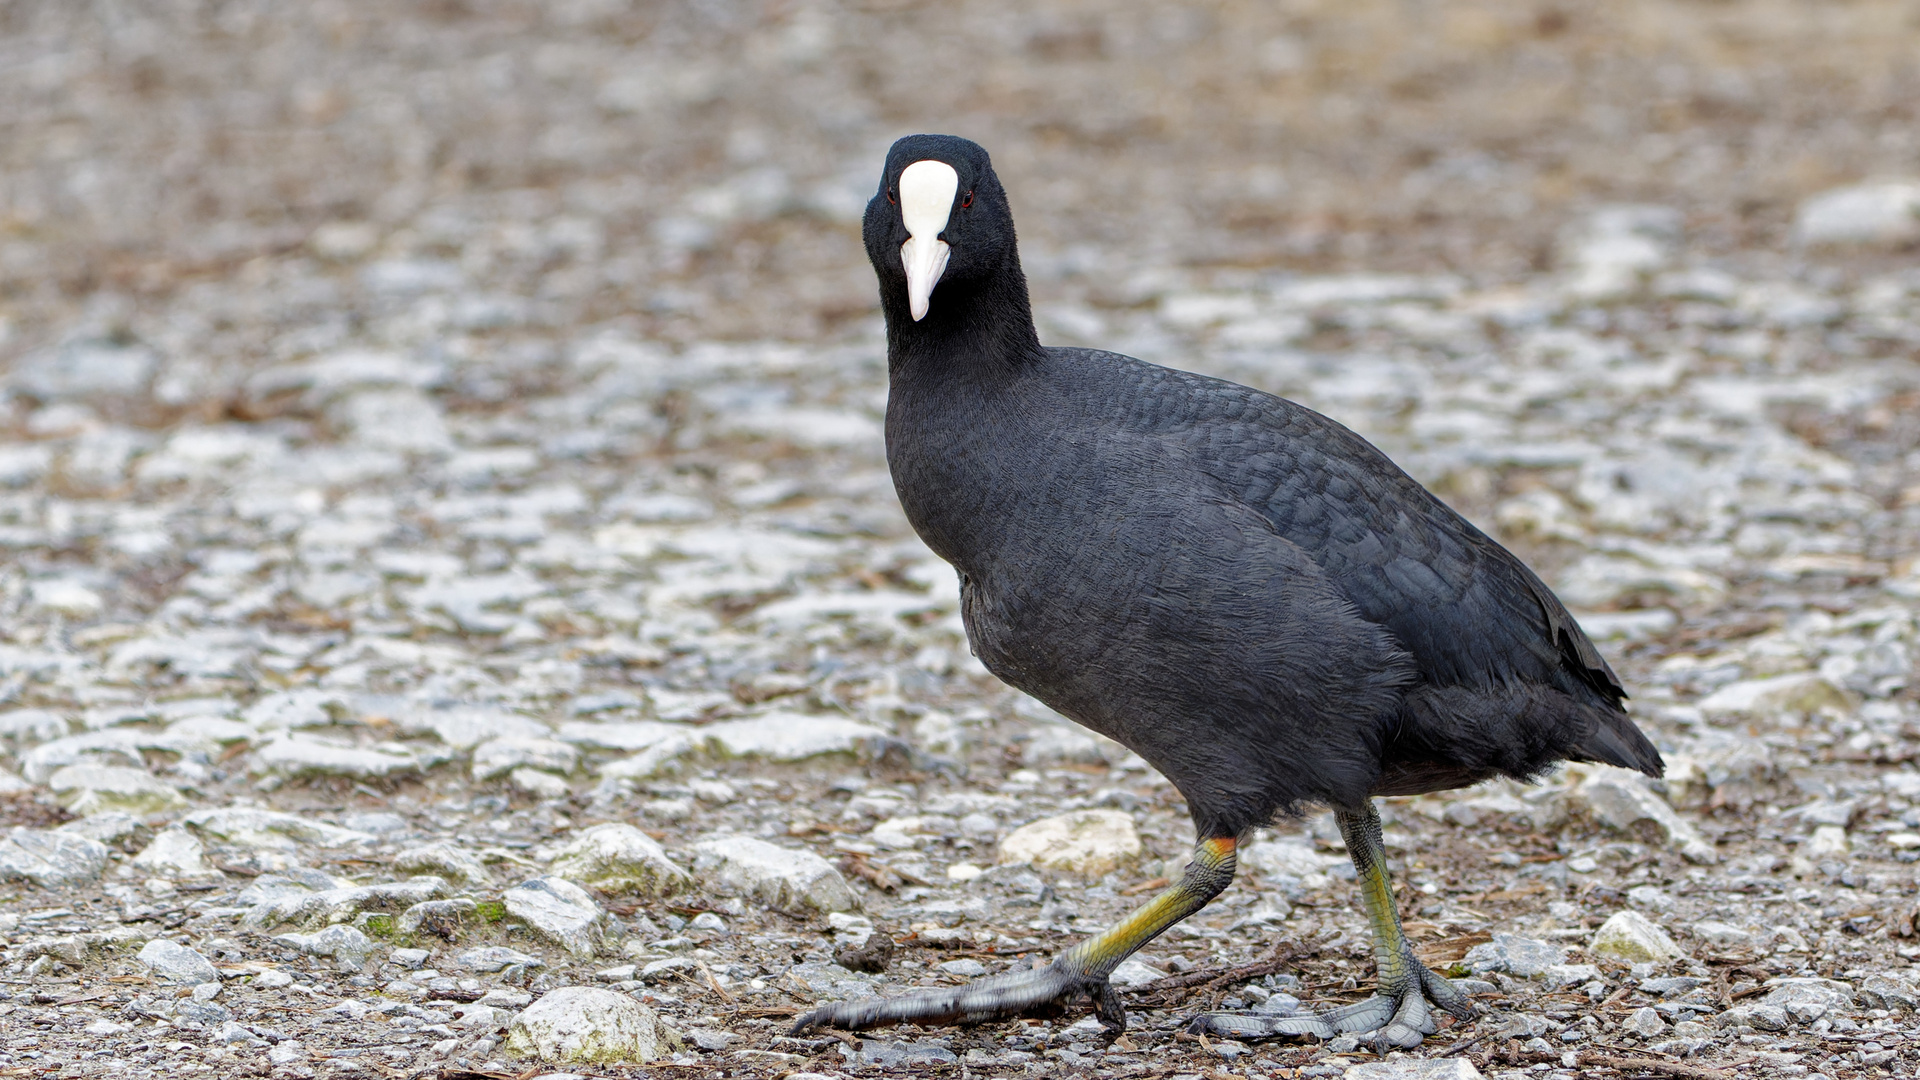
(1401, 1013)
(1080, 972)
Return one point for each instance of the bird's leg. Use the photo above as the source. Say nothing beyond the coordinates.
(1081, 972)
(1401, 1013)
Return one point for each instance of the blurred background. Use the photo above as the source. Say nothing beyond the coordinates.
(698, 168)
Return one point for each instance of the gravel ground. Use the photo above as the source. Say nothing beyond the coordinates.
(451, 558)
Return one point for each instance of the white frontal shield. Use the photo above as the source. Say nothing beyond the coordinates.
(927, 189)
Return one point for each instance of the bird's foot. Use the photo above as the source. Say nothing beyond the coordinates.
(1398, 1017)
(994, 998)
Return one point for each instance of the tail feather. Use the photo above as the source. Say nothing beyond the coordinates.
(1615, 740)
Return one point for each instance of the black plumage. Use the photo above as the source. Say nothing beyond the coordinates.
(1244, 592)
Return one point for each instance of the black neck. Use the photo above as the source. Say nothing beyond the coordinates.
(985, 324)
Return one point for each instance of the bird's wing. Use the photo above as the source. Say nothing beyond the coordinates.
(1468, 610)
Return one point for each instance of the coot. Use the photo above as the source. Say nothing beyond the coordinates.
(1245, 593)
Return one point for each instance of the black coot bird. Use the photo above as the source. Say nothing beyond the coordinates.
(1242, 591)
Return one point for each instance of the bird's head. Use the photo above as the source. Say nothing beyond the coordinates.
(940, 216)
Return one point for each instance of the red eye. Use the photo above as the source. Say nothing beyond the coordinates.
(890, 199)
(966, 202)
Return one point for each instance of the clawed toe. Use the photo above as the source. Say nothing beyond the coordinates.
(1385, 1021)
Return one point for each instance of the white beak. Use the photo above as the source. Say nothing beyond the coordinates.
(927, 189)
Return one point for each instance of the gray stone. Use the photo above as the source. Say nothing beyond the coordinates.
(1628, 936)
(498, 757)
(343, 902)
(1620, 800)
(51, 859)
(902, 1055)
(786, 736)
(348, 947)
(1758, 1017)
(115, 828)
(441, 917)
(1512, 954)
(311, 755)
(449, 861)
(1091, 843)
(620, 859)
(796, 882)
(558, 910)
(96, 789)
(1720, 935)
(1133, 974)
(175, 852)
(494, 958)
(252, 827)
(175, 962)
(831, 982)
(1808, 999)
(1890, 991)
(1644, 1023)
(1672, 985)
(1560, 976)
(1881, 214)
(589, 1025)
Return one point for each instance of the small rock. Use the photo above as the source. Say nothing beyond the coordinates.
(1721, 935)
(1090, 843)
(795, 882)
(175, 962)
(831, 982)
(176, 853)
(620, 860)
(1890, 991)
(1644, 1023)
(248, 826)
(1620, 800)
(1133, 974)
(497, 958)
(1806, 1000)
(1629, 936)
(1523, 957)
(1650, 897)
(51, 859)
(310, 755)
(588, 1025)
(498, 757)
(1671, 986)
(1414, 1069)
(442, 918)
(445, 860)
(1796, 694)
(1758, 1017)
(96, 789)
(341, 902)
(1563, 975)
(412, 959)
(903, 1055)
(542, 785)
(348, 947)
(1885, 214)
(788, 736)
(558, 910)
(115, 828)
(1827, 842)
(966, 968)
